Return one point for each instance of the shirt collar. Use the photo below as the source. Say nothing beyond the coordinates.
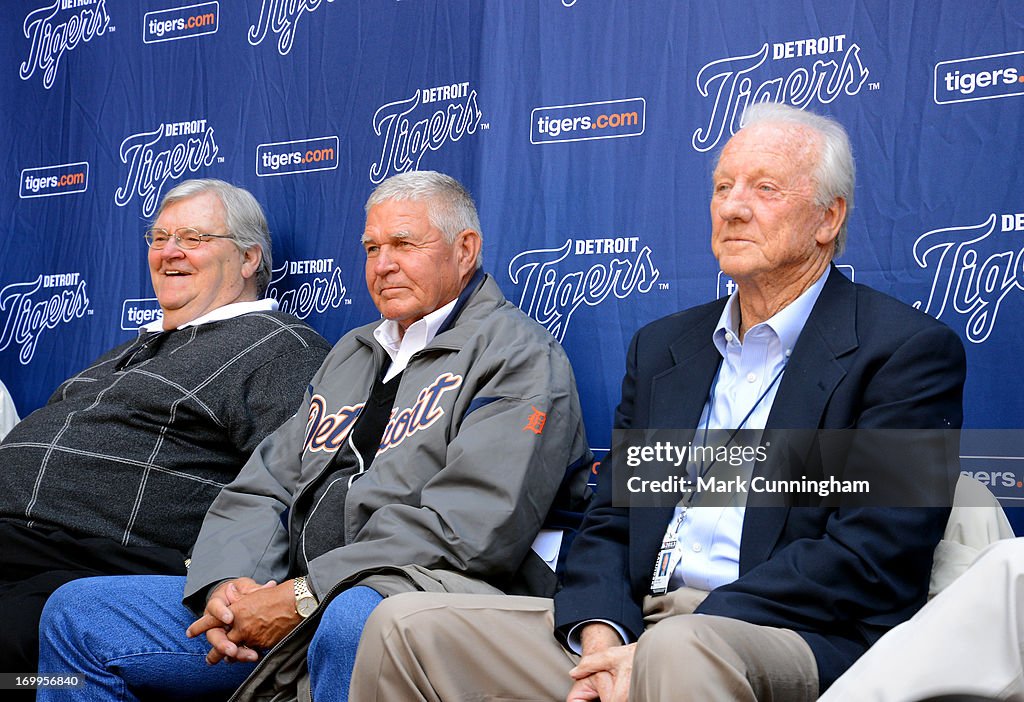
(234, 309)
(417, 336)
(787, 323)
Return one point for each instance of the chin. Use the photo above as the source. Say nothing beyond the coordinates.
(733, 267)
(393, 314)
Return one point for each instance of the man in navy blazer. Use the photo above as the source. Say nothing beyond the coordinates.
(791, 589)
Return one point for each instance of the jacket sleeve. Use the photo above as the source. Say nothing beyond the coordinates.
(493, 482)
(597, 583)
(245, 530)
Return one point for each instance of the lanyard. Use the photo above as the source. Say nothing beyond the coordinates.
(669, 555)
(711, 407)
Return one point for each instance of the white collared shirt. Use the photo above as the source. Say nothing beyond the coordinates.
(401, 347)
(234, 309)
(707, 551)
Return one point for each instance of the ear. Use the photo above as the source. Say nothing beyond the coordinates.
(251, 259)
(832, 219)
(467, 249)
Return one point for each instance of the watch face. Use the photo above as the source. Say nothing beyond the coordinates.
(305, 607)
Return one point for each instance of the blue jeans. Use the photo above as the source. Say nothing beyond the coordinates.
(125, 638)
(332, 652)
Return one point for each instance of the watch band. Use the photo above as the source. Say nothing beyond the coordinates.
(305, 600)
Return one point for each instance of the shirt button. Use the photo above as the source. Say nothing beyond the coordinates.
(696, 548)
(729, 337)
(751, 377)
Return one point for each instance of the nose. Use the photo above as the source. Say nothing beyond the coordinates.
(384, 262)
(734, 204)
(171, 249)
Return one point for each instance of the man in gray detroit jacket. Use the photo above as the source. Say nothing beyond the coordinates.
(114, 474)
(428, 454)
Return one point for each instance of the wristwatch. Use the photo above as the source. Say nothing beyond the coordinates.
(305, 602)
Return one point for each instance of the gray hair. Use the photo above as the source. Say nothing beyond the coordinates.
(243, 217)
(450, 207)
(835, 173)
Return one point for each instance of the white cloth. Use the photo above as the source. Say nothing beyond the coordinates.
(976, 521)
(8, 412)
(229, 311)
(969, 639)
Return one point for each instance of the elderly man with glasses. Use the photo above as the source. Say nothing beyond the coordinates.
(114, 474)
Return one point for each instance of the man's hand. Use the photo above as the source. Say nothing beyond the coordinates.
(218, 618)
(264, 616)
(605, 669)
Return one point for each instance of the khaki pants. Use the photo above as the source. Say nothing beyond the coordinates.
(454, 648)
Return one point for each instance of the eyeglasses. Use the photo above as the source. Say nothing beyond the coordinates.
(185, 237)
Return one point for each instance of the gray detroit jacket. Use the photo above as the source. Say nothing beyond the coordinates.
(454, 499)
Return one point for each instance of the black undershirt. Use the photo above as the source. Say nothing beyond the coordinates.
(324, 529)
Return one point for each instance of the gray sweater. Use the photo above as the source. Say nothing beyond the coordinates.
(135, 447)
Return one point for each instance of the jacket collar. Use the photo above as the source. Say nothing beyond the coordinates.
(478, 299)
(471, 287)
(813, 371)
(695, 361)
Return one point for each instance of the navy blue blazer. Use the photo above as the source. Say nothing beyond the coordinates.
(839, 577)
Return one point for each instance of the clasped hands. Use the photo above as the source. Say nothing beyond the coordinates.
(243, 617)
(605, 669)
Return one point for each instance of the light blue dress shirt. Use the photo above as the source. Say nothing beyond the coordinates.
(707, 553)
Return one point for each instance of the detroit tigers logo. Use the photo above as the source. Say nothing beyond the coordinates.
(424, 412)
(327, 431)
(536, 421)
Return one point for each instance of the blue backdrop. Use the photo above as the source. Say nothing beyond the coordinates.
(584, 128)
